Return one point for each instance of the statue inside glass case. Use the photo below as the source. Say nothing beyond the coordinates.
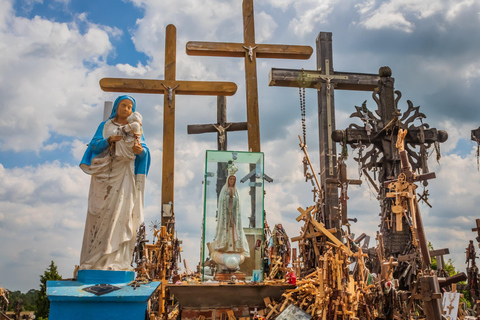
(230, 247)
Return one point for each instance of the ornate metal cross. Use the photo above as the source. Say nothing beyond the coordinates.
(376, 141)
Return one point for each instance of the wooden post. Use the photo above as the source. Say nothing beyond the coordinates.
(169, 88)
(250, 51)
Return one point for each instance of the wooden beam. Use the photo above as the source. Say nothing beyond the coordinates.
(226, 49)
(334, 239)
(314, 79)
(207, 88)
(202, 128)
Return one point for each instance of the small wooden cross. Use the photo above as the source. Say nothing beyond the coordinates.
(439, 253)
(388, 221)
(387, 268)
(221, 127)
(250, 51)
(168, 87)
(477, 229)
(450, 308)
(272, 306)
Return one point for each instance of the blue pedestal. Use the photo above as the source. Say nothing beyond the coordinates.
(68, 300)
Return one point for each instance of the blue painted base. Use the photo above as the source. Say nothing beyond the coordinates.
(68, 300)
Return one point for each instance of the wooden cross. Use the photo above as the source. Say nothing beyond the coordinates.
(450, 308)
(325, 80)
(250, 51)
(272, 306)
(169, 87)
(221, 127)
(477, 221)
(387, 268)
(439, 253)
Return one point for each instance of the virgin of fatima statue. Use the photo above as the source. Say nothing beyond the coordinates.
(118, 167)
(230, 246)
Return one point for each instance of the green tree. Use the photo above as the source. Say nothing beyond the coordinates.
(43, 305)
(29, 300)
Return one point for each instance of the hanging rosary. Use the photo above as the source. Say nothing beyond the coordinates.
(301, 93)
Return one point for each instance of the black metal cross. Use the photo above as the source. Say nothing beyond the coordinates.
(376, 142)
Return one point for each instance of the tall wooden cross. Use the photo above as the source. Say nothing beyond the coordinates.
(169, 87)
(250, 51)
(325, 80)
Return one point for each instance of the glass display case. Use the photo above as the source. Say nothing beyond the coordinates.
(233, 221)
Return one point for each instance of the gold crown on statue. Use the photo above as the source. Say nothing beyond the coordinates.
(232, 169)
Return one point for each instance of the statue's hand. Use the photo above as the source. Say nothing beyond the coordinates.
(113, 139)
(137, 149)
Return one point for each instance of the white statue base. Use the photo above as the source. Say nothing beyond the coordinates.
(228, 261)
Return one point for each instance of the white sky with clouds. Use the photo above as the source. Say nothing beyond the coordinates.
(53, 53)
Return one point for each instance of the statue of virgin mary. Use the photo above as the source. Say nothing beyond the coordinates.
(230, 240)
(118, 168)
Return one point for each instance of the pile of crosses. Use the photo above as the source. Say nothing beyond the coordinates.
(157, 262)
(472, 287)
(340, 281)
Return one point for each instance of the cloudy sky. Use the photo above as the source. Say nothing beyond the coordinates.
(54, 52)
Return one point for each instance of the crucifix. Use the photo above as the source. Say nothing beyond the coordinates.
(326, 80)
(169, 87)
(250, 51)
(221, 128)
(376, 142)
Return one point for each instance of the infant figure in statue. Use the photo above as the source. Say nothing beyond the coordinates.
(230, 247)
(132, 131)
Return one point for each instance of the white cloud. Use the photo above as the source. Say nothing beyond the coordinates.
(403, 14)
(265, 27)
(311, 14)
(48, 61)
(78, 149)
(456, 7)
(132, 71)
(282, 4)
(46, 205)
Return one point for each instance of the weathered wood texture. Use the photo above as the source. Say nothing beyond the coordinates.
(226, 49)
(210, 88)
(314, 79)
(250, 51)
(205, 128)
